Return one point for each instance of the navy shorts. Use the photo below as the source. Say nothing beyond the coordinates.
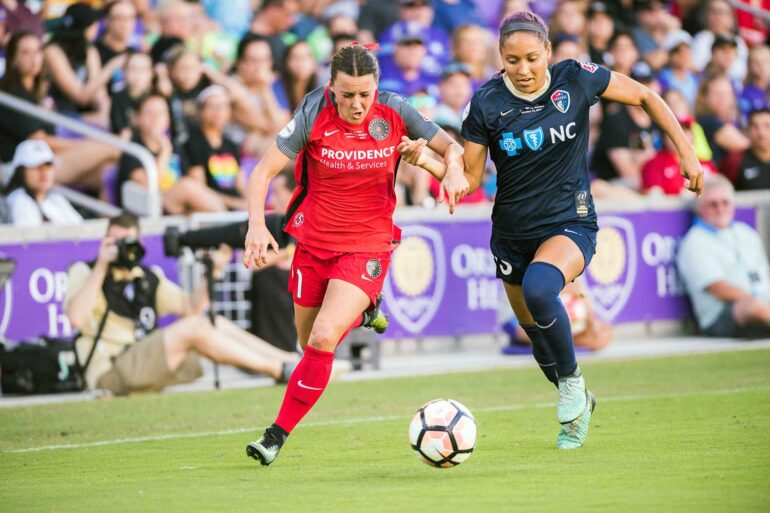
(512, 257)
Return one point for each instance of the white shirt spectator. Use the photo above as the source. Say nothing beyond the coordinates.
(701, 55)
(25, 211)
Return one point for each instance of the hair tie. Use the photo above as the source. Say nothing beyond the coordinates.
(372, 47)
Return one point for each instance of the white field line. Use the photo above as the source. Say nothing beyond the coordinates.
(384, 418)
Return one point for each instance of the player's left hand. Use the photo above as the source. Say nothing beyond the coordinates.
(411, 151)
(692, 171)
(454, 185)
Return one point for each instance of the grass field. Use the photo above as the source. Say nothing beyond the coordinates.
(673, 434)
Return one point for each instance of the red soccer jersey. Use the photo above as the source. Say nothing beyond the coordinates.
(345, 173)
(663, 171)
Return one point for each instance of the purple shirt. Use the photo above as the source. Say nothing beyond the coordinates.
(392, 79)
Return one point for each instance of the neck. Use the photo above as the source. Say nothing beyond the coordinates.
(213, 135)
(113, 43)
(28, 82)
(40, 196)
(528, 96)
(762, 154)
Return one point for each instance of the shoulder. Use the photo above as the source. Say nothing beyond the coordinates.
(314, 101)
(490, 89)
(19, 199)
(745, 231)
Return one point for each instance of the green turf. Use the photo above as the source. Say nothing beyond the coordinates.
(672, 434)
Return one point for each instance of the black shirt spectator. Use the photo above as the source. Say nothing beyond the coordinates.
(221, 164)
(15, 128)
(619, 130)
(128, 164)
(122, 110)
(753, 173)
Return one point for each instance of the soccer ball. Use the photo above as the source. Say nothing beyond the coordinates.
(443, 433)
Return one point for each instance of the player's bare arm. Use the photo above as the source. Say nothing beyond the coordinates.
(258, 238)
(475, 158)
(625, 90)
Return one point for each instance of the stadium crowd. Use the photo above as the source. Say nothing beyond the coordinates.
(206, 85)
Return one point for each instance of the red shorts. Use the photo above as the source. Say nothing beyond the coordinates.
(311, 270)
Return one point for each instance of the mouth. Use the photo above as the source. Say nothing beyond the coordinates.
(525, 82)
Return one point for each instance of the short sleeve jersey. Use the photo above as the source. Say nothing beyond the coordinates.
(539, 148)
(345, 173)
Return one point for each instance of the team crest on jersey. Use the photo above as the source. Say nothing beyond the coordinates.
(560, 100)
(379, 129)
(299, 219)
(534, 138)
(589, 67)
(374, 268)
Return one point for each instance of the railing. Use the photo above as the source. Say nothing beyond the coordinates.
(142, 154)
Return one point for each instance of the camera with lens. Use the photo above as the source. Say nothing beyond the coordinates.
(130, 252)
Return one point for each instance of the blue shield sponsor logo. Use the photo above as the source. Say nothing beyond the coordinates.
(534, 138)
(510, 144)
(414, 286)
(611, 275)
(560, 100)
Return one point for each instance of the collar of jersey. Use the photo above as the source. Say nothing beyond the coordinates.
(339, 119)
(530, 97)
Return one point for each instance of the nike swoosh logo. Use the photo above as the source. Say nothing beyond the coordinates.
(570, 231)
(302, 385)
(327, 134)
(506, 112)
(546, 327)
(365, 277)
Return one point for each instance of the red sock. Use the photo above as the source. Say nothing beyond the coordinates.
(306, 384)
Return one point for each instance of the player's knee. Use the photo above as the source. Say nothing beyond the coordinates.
(541, 285)
(323, 336)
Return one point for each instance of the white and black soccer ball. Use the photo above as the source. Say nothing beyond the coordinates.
(443, 433)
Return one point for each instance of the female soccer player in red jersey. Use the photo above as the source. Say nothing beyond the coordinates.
(344, 138)
(533, 121)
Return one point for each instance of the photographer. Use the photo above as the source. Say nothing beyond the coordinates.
(115, 302)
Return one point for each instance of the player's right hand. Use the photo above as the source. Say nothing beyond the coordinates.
(258, 243)
(411, 151)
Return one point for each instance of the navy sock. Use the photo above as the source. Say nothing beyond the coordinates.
(541, 286)
(542, 353)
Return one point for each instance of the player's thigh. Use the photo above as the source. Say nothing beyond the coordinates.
(516, 299)
(564, 254)
(365, 270)
(342, 305)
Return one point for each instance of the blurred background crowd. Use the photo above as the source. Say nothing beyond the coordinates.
(205, 85)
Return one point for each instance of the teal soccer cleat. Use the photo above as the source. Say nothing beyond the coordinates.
(573, 434)
(264, 450)
(572, 392)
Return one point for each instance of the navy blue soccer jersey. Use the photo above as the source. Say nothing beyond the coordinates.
(539, 148)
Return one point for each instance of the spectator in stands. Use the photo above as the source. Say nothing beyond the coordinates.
(81, 160)
(271, 21)
(628, 138)
(31, 198)
(175, 17)
(717, 112)
(272, 307)
(569, 18)
(133, 354)
(623, 52)
(661, 175)
(78, 77)
(117, 39)
(214, 159)
(599, 30)
(681, 109)
(678, 74)
(455, 91)
(374, 18)
(180, 194)
(436, 39)
(720, 21)
(654, 22)
(471, 45)
(450, 15)
(403, 72)
(724, 52)
(756, 91)
(567, 46)
(254, 70)
(137, 83)
(299, 75)
(724, 267)
(187, 81)
(754, 168)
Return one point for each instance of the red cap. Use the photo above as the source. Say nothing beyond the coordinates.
(685, 121)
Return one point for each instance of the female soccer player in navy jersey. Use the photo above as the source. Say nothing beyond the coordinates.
(344, 138)
(533, 120)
